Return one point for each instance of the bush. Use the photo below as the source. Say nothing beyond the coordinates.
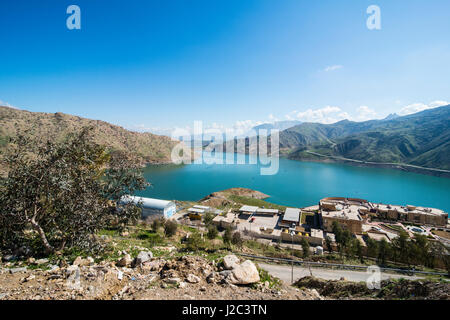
(212, 232)
(227, 236)
(195, 242)
(208, 218)
(305, 247)
(170, 228)
(157, 224)
(237, 239)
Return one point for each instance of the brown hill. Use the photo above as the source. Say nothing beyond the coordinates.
(148, 147)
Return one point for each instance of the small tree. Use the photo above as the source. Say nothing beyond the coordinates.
(195, 242)
(305, 248)
(357, 247)
(157, 224)
(212, 232)
(208, 218)
(227, 236)
(372, 248)
(383, 251)
(59, 194)
(237, 239)
(170, 228)
(328, 244)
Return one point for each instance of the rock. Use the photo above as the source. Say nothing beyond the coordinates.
(155, 265)
(41, 261)
(191, 278)
(17, 270)
(79, 261)
(31, 260)
(71, 269)
(182, 285)
(203, 289)
(230, 261)
(212, 277)
(9, 258)
(125, 261)
(316, 294)
(225, 273)
(29, 278)
(245, 273)
(173, 280)
(143, 257)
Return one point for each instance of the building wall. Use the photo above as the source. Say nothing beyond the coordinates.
(354, 226)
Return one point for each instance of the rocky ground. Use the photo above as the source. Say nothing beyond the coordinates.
(389, 289)
(145, 277)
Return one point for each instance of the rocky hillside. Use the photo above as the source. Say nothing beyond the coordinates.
(389, 289)
(149, 148)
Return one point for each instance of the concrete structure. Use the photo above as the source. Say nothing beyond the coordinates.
(291, 218)
(345, 211)
(248, 209)
(152, 207)
(420, 215)
(228, 220)
(262, 211)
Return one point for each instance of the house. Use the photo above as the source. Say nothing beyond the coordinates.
(152, 207)
(291, 218)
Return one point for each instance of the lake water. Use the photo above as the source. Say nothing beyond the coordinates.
(299, 184)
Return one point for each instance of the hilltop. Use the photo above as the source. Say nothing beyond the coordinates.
(421, 139)
(147, 147)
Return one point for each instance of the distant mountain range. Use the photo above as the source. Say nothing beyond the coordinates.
(421, 139)
(279, 125)
(148, 147)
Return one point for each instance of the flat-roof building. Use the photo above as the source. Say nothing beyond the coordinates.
(291, 216)
(345, 211)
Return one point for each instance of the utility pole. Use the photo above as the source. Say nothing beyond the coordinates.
(292, 260)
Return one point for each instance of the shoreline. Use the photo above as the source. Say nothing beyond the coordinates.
(398, 167)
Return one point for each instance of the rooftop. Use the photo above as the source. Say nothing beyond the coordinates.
(348, 213)
(248, 209)
(149, 203)
(272, 211)
(292, 214)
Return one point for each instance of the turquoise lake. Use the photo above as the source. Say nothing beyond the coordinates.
(299, 184)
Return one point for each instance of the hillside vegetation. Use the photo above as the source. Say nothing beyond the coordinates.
(147, 147)
(421, 139)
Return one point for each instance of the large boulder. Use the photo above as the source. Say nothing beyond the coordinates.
(143, 257)
(192, 278)
(244, 273)
(230, 261)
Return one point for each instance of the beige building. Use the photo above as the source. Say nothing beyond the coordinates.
(345, 211)
(420, 215)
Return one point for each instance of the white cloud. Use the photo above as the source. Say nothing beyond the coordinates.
(328, 114)
(417, 107)
(364, 113)
(333, 68)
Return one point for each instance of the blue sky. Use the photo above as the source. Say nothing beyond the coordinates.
(161, 64)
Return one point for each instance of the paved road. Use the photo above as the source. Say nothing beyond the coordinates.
(283, 272)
